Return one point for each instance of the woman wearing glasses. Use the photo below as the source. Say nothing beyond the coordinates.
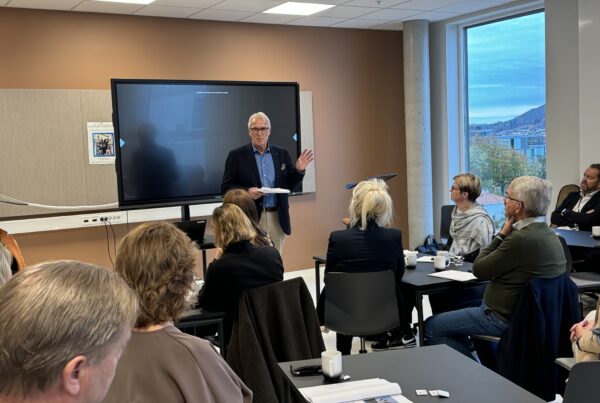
(471, 230)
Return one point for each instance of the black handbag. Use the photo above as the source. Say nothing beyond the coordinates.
(429, 247)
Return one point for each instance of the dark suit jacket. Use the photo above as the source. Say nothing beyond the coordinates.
(374, 249)
(241, 172)
(583, 219)
(355, 251)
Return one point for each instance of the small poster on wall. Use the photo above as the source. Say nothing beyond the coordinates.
(101, 142)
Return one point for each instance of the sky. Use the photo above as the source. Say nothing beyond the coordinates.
(506, 68)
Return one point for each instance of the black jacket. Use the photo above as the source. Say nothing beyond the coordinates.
(538, 334)
(241, 172)
(356, 251)
(583, 219)
(243, 266)
(276, 323)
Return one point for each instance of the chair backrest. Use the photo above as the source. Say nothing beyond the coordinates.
(568, 258)
(275, 323)
(536, 335)
(361, 304)
(582, 387)
(564, 191)
(446, 219)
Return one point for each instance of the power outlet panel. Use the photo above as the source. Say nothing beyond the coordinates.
(99, 219)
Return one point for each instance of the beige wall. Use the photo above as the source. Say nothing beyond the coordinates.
(355, 77)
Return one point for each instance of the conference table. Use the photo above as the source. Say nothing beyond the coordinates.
(195, 319)
(420, 282)
(580, 239)
(430, 368)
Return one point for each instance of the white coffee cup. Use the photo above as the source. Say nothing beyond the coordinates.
(331, 364)
(596, 231)
(441, 262)
(442, 253)
(410, 257)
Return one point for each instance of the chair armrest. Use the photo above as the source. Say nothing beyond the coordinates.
(485, 337)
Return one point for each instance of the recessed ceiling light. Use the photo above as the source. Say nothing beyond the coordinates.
(295, 8)
(129, 1)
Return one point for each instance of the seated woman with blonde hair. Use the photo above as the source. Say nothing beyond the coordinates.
(242, 266)
(160, 363)
(369, 244)
(243, 200)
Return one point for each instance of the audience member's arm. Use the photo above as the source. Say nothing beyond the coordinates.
(496, 260)
(584, 219)
(556, 218)
(332, 259)
(586, 339)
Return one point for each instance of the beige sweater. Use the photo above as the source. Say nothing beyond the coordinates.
(167, 365)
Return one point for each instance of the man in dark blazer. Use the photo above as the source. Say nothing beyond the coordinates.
(260, 164)
(581, 209)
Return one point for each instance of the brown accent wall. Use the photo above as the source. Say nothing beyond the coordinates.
(355, 76)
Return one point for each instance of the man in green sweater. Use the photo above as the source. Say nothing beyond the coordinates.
(524, 248)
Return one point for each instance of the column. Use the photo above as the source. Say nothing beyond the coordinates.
(418, 130)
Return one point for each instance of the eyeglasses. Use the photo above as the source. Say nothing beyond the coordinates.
(255, 130)
(506, 196)
(454, 188)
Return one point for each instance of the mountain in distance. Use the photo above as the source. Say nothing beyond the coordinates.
(534, 120)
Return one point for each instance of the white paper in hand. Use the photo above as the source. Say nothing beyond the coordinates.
(266, 190)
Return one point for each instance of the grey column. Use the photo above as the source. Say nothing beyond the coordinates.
(418, 130)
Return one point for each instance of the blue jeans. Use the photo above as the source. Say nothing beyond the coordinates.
(454, 327)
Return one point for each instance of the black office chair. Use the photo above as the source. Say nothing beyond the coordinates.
(582, 386)
(361, 304)
(445, 220)
(587, 283)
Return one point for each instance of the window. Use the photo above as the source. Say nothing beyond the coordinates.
(505, 111)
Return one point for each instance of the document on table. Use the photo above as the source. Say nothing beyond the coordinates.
(273, 190)
(456, 275)
(425, 259)
(354, 391)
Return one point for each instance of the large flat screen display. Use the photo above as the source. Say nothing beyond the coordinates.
(172, 137)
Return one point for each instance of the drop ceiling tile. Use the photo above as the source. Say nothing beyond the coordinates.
(221, 15)
(391, 14)
(425, 5)
(467, 6)
(44, 4)
(357, 23)
(374, 3)
(245, 5)
(334, 2)
(390, 26)
(346, 12)
(104, 7)
(271, 18)
(170, 12)
(186, 3)
(433, 16)
(316, 21)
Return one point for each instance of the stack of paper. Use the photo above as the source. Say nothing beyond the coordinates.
(456, 275)
(350, 391)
